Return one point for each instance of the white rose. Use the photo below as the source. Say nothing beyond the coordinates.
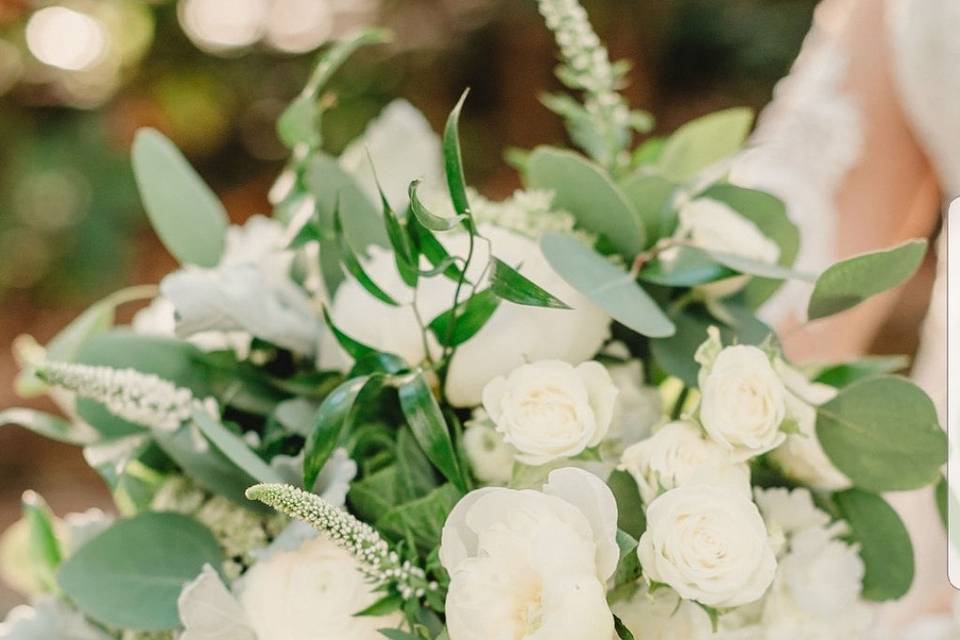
(491, 459)
(709, 544)
(801, 457)
(743, 402)
(678, 455)
(551, 409)
(515, 334)
(714, 226)
(529, 564)
(309, 593)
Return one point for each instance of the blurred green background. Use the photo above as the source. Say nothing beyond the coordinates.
(78, 77)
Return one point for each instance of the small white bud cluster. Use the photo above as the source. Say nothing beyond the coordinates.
(529, 212)
(378, 562)
(141, 398)
(587, 67)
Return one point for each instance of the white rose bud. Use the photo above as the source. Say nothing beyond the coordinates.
(531, 564)
(743, 403)
(491, 459)
(678, 455)
(709, 544)
(551, 409)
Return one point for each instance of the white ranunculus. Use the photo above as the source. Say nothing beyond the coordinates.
(491, 459)
(309, 593)
(531, 565)
(801, 457)
(743, 401)
(515, 334)
(789, 510)
(709, 544)
(402, 147)
(551, 409)
(714, 226)
(663, 615)
(678, 455)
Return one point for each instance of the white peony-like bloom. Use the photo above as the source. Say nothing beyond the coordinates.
(801, 457)
(663, 615)
(309, 593)
(515, 334)
(530, 564)
(490, 457)
(709, 544)
(743, 401)
(678, 455)
(551, 409)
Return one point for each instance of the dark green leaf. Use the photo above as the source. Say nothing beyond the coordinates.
(373, 496)
(428, 245)
(942, 497)
(840, 375)
(850, 282)
(622, 631)
(353, 266)
(427, 219)
(422, 518)
(453, 162)
(130, 576)
(429, 427)
(883, 433)
(631, 517)
(396, 634)
(404, 252)
(471, 315)
(385, 605)
(884, 544)
(628, 567)
(585, 190)
(415, 476)
(356, 349)
(187, 216)
(332, 421)
(509, 284)
(608, 286)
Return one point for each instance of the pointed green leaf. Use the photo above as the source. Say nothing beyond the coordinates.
(187, 216)
(883, 433)
(385, 605)
(453, 162)
(850, 282)
(429, 427)
(884, 544)
(431, 248)
(607, 285)
(353, 266)
(840, 375)
(585, 190)
(704, 141)
(509, 284)
(356, 349)
(427, 219)
(471, 315)
(404, 252)
(631, 516)
(130, 576)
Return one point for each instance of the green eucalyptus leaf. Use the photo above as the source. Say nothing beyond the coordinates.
(511, 285)
(130, 576)
(430, 428)
(686, 267)
(841, 375)
(352, 263)
(453, 163)
(758, 268)
(49, 426)
(883, 433)
(585, 190)
(607, 285)
(235, 449)
(704, 141)
(884, 544)
(187, 216)
(850, 282)
(427, 219)
(652, 199)
(331, 423)
(471, 316)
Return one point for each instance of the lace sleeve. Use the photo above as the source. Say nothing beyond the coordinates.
(806, 141)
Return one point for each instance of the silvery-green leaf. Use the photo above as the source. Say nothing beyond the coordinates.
(704, 141)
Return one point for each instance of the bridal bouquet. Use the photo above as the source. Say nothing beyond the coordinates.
(398, 409)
